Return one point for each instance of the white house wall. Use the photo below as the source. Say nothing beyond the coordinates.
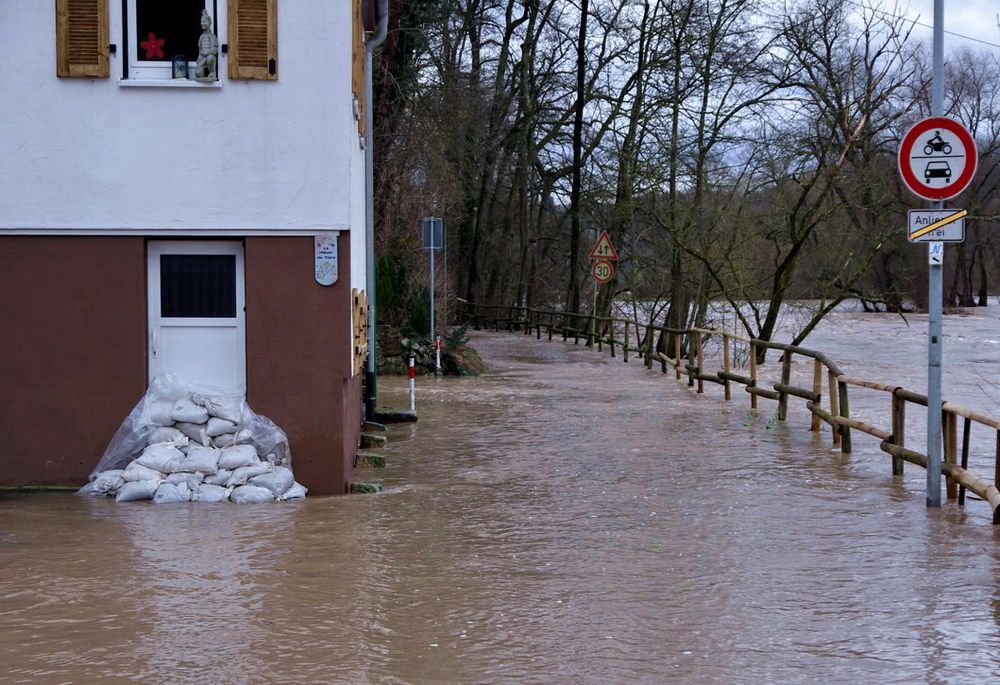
(93, 155)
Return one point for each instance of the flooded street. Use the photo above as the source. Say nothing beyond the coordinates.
(565, 519)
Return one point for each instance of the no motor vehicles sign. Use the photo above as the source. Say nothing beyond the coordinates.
(937, 158)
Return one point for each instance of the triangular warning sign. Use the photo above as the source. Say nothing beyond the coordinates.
(604, 248)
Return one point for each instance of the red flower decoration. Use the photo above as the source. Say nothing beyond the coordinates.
(153, 46)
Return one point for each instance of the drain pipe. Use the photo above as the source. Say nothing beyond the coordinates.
(373, 42)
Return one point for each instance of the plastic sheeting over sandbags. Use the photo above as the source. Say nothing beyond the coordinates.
(179, 436)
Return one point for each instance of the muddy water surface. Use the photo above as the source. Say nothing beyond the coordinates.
(566, 519)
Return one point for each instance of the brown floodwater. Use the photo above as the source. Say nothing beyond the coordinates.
(565, 519)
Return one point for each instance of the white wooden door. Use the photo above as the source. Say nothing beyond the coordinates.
(197, 323)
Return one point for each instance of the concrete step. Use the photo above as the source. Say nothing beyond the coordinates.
(365, 488)
(369, 460)
(370, 440)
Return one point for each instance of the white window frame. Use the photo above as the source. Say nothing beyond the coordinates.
(146, 70)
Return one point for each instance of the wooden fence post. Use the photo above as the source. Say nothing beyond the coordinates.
(648, 351)
(677, 355)
(831, 381)
(950, 423)
(996, 476)
(966, 425)
(845, 411)
(725, 364)
(625, 346)
(786, 379)
(692, 357)
(753, 373)
(898, 431)
(701, 363)
(818, 389)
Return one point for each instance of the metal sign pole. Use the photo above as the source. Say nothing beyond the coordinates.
(432, 250)
(935, 291)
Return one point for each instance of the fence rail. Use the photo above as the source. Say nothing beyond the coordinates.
(599, 331)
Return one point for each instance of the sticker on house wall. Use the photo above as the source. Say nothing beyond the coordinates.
(326, 258)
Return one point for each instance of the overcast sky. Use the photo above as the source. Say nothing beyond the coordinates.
(973, 18)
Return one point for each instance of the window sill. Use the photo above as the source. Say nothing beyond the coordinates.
(167, 83)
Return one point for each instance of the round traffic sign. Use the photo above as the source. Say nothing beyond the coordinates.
(602, 270)
(937, 158)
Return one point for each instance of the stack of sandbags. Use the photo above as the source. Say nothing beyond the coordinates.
(182, 471)
(198, 448)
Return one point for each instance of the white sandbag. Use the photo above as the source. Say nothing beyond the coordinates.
(139, 490)
(216, 427)
(245, 473)
(210, 493)
(168, 493)
(251, 494)
(191, 479)
(187, 411)
(107, 482)
(219, 478)
(162, 458)
(225, 407)
(202, 459)
(225, 440)
(136, 472)
(238, 455)
(168, 435)
(277, 481)
(159, 412)
(297, 491)
(195, 431)
(229, 439)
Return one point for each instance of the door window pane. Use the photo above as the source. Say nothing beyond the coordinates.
(198, 286)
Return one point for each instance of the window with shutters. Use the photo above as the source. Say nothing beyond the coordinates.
(157, 31)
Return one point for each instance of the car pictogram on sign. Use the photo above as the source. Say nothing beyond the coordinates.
(937, 169)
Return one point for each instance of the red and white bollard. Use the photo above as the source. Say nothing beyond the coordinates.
(413, 388)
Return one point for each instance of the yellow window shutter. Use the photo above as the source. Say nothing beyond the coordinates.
(82, 38)
(253, 39)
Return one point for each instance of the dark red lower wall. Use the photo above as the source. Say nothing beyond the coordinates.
(72, 352)
(299, 358)
(73, 329)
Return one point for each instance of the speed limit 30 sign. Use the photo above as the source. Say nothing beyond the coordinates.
(602, 270)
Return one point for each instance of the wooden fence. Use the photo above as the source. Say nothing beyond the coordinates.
(629, 337)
